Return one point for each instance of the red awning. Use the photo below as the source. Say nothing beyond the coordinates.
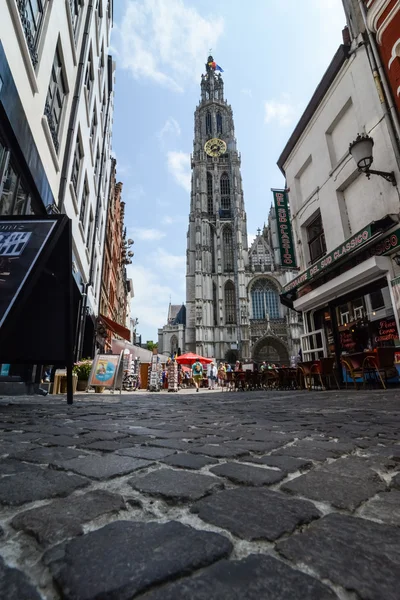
(116, 328)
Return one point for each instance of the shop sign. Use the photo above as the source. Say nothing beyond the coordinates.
(385, 330)
(104, 370)
(285, 235)
(21, 243)
(351, 244)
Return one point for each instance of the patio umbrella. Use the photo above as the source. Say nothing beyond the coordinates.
(189, 358)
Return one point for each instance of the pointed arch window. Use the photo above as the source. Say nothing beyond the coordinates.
(227, 241)
(225, 192)
(210, 203)
(208, 122)
(230, 304)
(265, 300)
(219, 122)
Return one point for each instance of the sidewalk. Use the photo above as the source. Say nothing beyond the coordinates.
(169, 496)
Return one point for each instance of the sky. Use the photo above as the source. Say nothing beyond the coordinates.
(273, 52)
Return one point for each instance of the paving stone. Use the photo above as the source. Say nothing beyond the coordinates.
(48, 455)
(146, 452)
(221, 451)
(124, 558)
(256, 577)
(176, 485)
(357, 554)
(255, 514)
(344, 484)
(248, 475)
(109, 445)
(287, 464)
(60, 440)
(14, 584)
(384, 507)
(189, 461)
(173, 444)
(64, 518)
(104, 467)
(34, 483)
(315, 450)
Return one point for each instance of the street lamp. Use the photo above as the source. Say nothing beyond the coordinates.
(361, 151)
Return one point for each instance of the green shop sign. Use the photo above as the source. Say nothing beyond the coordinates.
(384, 246)
(284, 229)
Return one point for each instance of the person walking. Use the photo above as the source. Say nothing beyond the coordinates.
(221, 375)
(197, 374)
(211, 375)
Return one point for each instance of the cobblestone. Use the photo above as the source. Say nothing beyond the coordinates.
(294, 495)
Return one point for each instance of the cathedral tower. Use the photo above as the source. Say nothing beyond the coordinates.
(217, 252)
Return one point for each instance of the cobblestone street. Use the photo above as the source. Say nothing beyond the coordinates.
(258, 496)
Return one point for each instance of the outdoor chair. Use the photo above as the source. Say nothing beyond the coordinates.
(304, 374)
(229, 381)
(324, 369)
(380, 365)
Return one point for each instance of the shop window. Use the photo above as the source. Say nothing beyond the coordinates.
(316, 239)
(344, 314)
(376, 299)
(230, 303)
(55, 99)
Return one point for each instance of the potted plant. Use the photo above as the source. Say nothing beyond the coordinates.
(82, 369)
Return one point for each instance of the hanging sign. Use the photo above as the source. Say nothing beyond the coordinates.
(285, 235)
(21, 243)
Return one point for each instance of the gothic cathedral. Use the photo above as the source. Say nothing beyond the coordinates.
(232, 292)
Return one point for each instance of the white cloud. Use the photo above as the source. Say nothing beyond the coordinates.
(150, 304)
(168, 220)
(165, 40)
(146, 235)
(170, 127)
(179, 167)
(169, 262)
(247, 92)
(282, 112)
(250, 239)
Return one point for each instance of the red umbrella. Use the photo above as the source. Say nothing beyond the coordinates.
(189, 358)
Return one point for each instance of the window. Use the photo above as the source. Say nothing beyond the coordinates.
(76, 165)
(210, 203)
(215, 305)
(216, 94)
(75, 8)
(376, 299)
(230, 304)
(219, 122)
(260, 255)
(14, 197)
(225, 194)
(31, 13)
(344, 314)
(265, 300)
(89, 231)
(89, 77)
(97, 165)
(208, 123)
(227, 242)
(358, 309)
(93, 126)
(55, 98)
(316, 239)
(84, 203)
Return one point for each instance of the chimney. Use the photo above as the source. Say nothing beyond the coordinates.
(346, 36)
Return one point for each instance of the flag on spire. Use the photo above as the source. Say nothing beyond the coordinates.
(213, 65)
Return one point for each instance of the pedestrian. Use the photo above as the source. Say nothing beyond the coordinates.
(221, 375)
(197, 374)
(211, 375)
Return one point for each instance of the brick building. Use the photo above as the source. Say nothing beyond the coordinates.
(116, 288)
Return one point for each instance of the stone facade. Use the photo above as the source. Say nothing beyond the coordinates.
(171, 338)
(232, 292)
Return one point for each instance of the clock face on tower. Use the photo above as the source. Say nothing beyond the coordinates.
(215, 147)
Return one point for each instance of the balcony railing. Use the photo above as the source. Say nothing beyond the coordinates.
(27, 26)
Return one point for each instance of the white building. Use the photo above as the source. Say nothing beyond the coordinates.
(345, 225)
(56, 104)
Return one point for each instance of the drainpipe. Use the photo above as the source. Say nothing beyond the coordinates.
(380, 78)
(89, 283)
(74, 108)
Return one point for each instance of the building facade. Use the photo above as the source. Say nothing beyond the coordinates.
(56, 104)
(116, 287)
(232, 293)
(345, 224)
(171, 338)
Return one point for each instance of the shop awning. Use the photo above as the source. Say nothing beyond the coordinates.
(120, 330)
